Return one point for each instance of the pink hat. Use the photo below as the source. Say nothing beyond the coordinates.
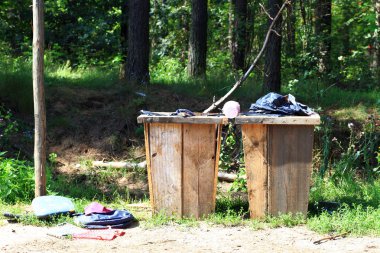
(231, 109)
(95, 207)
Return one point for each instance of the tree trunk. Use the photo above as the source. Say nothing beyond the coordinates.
(230, 22)
(39, 99)
(376, 58)
(198, 39)
(272, 68)
(304, 26)
(291, 29)
(123, 38)
(303, 11)
(239, 34)
(137, 69)
(323, 32)
(345, 28)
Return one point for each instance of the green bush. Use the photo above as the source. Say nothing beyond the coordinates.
(16, 180)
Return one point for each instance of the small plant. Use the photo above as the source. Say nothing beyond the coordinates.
(231, 150)
(53, 158)
(286, 220)
(240, 183)
(16, 180)
(326, 144)
(359, 156)
(8, 126)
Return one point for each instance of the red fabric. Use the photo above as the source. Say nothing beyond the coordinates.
(95, 207)
(100, 234)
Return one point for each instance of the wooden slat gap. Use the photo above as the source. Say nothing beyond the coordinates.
(216, 156)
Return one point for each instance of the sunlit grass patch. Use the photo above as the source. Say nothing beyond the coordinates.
(356, 220)
(357, 112)
(91, 77)
(286, 220)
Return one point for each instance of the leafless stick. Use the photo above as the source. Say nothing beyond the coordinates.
(245, 76)
(274, 31)
(265, 11)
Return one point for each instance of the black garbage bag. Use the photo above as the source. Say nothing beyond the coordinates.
(274, 103)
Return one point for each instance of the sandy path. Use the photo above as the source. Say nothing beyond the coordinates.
(18, 238)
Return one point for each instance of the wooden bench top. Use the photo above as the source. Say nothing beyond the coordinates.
(165, 117)
(273, 120)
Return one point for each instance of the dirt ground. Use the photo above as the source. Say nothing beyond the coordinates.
(101, 125)
(205, 238)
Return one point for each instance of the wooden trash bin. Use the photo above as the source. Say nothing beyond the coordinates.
(278, 159)
(182, 156)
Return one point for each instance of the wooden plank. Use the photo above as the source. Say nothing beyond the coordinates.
(166, 167)
(148, 165)
(216, 165)
(198, 169)
(166, 118)
(270, 120)
(290, 155)
(207, 171)
(256, 163)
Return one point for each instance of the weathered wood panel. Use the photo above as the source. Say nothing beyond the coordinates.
(216, 164)
(256, 162)
(166, 167)
(164, 117)
(290, 155)
(198, 169)
(148, 165)
(270, 120)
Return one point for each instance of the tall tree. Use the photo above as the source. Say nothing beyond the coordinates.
(291, 28)
(198, 39)
(123, 38)
(345, 29)
(239, 33)
(376, 61)
(323, 32)
(137, 67)
(39, 98)
(272, 68)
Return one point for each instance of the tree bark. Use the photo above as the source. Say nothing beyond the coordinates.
(198, 39)
(137, 67)
(291, 29)
(345, 28)
(239, 34)
(39, 99)
(376, 58)
(123, 38)
(323, 32)
(272, 68)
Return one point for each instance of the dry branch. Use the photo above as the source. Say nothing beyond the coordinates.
(119, 165)
(245, 76)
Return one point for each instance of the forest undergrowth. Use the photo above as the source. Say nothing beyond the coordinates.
(345, 163)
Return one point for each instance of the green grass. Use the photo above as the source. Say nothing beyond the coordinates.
(356, 220)
(359, 213)
(360, 200)
(16, 180)
(347, 189)
(16, 87)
